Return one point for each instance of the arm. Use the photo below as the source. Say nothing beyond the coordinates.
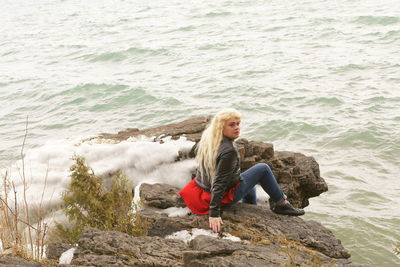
(224, 172)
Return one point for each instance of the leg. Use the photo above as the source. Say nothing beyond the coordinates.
(259, 174)
(251, 197)
(262, 174)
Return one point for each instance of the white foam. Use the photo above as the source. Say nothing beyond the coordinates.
(187, 236)
(142, 160)
(67, 256)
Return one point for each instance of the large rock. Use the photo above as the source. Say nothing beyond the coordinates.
(17, 262)
(54, 250)
(267, 239)
(109, 248)
(297, 174)
(208, 251)
(191, 128)
(251, 222)
(160, 196)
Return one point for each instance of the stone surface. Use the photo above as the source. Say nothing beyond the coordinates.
(268, 239)
(160, 196)
(106, 248)
(271, 240)
(191, 128)
(17, 262)
(251, 222)
(298, 176)
(210, 251)
(54, 250)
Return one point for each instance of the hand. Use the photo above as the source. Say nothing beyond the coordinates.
(215, 223)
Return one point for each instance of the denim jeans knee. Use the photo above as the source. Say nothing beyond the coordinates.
(261, 174)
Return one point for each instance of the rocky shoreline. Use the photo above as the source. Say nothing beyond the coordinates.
(266, 239)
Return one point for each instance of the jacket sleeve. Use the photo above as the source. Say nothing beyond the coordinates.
(224, 172)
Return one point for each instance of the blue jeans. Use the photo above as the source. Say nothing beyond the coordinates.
(258, 174)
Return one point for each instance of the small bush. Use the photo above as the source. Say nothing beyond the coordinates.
(89, 203)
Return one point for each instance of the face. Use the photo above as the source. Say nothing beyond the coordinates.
(232, 128)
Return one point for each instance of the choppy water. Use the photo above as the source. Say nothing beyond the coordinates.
(314, 76)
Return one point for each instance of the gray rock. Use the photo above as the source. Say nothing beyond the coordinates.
(105, 248)
(160, 196)
(109, 248)
(17, 262)
(255, 223)
(54, 250)
(298, 176)
(268, 239)
(310, 233)
(191, 128)
(209, 251)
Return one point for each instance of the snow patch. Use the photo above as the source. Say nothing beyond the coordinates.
(176, 212)
(188, 236)
(67, 256)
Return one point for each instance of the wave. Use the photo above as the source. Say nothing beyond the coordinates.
(347, 67)
(355, 138)
(331, 101)
(217, 14)
(184, 29)
(117, 56)
(376, 20)
(217, 46)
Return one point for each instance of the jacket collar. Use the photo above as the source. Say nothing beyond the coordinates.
(226, 139)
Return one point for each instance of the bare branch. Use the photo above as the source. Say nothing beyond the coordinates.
(15, 215)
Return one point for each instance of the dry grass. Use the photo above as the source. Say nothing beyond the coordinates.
(22, 231)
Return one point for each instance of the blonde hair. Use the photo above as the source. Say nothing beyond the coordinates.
(210, 142)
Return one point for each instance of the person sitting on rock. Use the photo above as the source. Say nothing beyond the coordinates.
(218, 180)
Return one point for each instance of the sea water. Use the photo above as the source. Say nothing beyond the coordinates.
(312, 76)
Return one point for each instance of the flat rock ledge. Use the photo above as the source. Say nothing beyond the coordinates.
(267, 239)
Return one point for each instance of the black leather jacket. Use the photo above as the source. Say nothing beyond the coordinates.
(227, 175)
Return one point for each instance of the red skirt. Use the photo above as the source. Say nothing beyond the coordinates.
(198, 200)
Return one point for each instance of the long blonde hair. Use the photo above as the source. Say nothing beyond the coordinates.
(210, 142)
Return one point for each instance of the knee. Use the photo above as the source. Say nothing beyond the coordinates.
(263, 167)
